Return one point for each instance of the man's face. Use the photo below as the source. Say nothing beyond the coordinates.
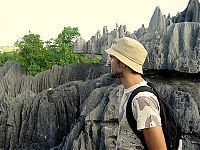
(116, 68)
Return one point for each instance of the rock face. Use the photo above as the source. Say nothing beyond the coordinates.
(81, 112)
(37, 112)
(190, 14)
(97, 44)
(79, 45)
(157, 22)
(179, 50)
(183, 53)
(172, 43)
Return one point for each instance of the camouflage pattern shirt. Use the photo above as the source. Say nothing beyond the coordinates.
(146, 111)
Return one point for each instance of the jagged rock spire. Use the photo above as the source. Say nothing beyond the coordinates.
(190, 14)
(157, 22)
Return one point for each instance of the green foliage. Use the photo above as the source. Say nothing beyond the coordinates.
(67, 36)
(64, 44)
(7, 56)
(31, 53)
(36, 56)
(81, 58)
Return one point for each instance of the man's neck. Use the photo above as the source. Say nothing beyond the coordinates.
(130, 80)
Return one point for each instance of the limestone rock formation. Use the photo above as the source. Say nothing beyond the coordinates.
(176, 51)
(190, 14)
(157, 22)
(97, 44)
(79, 45)
(172, 42)
(37, 112)
(140, 32)
(183, 53)
(80, 112)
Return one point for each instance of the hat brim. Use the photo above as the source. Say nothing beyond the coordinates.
(136, 67)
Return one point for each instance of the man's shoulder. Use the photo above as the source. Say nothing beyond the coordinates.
(146, 98)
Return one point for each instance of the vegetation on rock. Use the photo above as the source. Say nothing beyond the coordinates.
(35, 55)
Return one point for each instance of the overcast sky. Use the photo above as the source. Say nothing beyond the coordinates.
(48, 17)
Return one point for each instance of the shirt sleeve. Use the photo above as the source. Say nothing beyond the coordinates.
(146, 110)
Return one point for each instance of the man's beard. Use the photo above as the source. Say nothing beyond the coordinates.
(115, 75)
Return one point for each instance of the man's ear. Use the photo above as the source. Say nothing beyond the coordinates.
(122, 65)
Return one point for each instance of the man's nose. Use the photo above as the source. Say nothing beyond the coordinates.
(108, 61)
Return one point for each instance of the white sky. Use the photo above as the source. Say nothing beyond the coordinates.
(48, 17)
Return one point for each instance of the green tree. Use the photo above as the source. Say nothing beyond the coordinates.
(7, 56)
(67, 36)
(31, 53)
(64, 43)
(50, 45)
(36, 56)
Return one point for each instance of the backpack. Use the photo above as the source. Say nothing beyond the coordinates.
(170, 126)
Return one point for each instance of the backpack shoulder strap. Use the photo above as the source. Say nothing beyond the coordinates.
(129, 113)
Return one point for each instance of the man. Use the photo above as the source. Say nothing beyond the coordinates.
(127, 57)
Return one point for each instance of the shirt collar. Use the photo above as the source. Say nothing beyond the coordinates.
(130, 89)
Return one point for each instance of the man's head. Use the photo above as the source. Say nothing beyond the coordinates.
(128, 51)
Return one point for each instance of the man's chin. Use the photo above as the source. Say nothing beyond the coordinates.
(114, 75)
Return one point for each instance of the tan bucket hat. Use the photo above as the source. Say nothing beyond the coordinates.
(130, 52)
